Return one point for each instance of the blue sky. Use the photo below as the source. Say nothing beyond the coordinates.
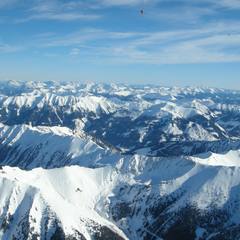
(175, 42)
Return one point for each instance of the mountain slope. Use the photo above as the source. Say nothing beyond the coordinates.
(54, 204)
(48, 147)
(179, 198)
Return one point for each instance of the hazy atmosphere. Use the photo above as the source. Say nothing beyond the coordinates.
(174, 42)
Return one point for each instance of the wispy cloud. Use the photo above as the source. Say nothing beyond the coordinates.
(6, 48)
(87, 36)
(211, 43)
(75, 52)
(52, 5)
(231, 4)
(75, 10)
(7, 3)
(220, 3)
(59, 17)
(57, 10)
(124, 2)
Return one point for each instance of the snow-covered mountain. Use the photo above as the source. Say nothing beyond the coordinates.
(29, 147)
(138, 198)
(166, 121)
(98, 161)
(54, 204)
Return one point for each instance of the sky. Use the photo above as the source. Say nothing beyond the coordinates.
(174, 42)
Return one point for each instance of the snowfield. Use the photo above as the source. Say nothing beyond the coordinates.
(70, 194)
(229, 159)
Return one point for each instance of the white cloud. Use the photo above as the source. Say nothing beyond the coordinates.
(57, 10)
(232, 4)
(59, 17)
(123, 2)
(75, 52)
(74, 10)
(7, 3)
(220, 3)
(6, 48)
(211, 43)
